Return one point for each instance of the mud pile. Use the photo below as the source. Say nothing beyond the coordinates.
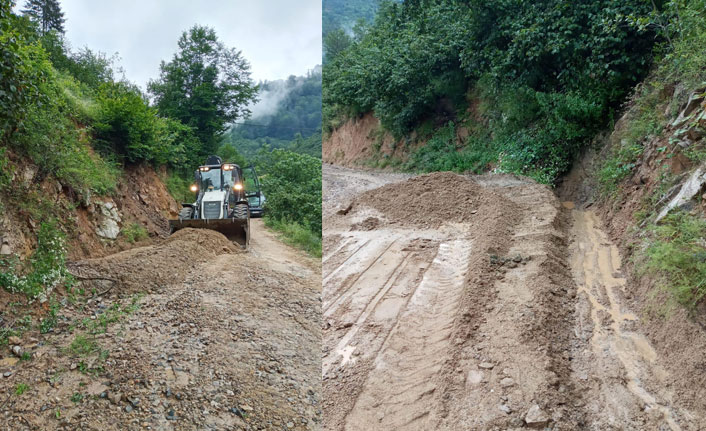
(431, 200)
(156, 266)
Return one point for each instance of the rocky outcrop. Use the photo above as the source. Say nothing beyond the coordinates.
(109, 222)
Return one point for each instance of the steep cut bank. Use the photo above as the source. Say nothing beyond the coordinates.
(93, 223)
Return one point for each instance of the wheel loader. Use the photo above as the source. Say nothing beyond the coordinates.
(221, 201)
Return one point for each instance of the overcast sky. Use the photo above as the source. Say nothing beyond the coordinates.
(278, 37)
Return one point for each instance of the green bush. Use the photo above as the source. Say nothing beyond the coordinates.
(292, 185)
(125, 125)
(133, 232)
(46, 268)
(295, 234)
(677, 255)
(178, 187)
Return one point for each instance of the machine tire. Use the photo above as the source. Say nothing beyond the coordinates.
(241, 211)
(186, 213)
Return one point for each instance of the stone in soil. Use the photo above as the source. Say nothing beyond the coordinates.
(536, 418)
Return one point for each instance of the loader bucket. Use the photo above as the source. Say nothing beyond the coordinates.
(237, 230)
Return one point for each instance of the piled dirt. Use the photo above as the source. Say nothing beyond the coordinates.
(154, 267)
(232, 345)
(431, 200)
(457, 320)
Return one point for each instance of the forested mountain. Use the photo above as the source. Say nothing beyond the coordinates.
(345, 13)
(287, 115)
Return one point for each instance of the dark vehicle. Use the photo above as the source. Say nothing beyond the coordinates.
(256, 199)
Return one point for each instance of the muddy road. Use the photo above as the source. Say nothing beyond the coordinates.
(457, 303)
(191, 333)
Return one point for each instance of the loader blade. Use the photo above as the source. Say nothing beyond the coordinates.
(237, 230)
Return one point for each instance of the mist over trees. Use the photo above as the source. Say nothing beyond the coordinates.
(287, 115)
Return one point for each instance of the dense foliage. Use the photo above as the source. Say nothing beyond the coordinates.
(206, 86)
(292, 184)
(548, 73)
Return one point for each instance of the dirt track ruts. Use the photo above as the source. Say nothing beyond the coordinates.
(497, 321)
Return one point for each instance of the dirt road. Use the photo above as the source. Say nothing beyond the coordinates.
(457, 304)
(191, 334)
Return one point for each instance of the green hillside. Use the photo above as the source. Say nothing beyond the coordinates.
(288, 115)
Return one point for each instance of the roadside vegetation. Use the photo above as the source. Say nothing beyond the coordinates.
(675, 254)
(292, 184)
(543, 77)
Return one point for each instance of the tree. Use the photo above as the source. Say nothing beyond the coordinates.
(46, 13)
(205, 86)
(335, 42)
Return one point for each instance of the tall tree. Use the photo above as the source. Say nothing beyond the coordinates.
(205, 86)
(335, 42)
(46, 13)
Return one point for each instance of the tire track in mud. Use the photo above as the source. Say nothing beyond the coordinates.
(367, 278)
(627, 355)
(403, 378)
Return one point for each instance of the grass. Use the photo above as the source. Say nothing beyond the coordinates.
(48, 323)
(134, 232)
(83, 345)
(295, 234)
(676, 255)
(442, 154)
(618, 166)
(21, 388)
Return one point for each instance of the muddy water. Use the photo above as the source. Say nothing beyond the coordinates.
(596, 266)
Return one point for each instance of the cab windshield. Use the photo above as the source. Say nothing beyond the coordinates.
(211, 178)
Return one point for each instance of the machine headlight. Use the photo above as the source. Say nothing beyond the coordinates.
(238, 187)
(194, 188)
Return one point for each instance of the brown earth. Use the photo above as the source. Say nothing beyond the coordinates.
(510, 317)
(193, 333)
(140, 197)
(361, 140)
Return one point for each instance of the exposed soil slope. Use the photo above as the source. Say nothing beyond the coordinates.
(489, 308)
(223, 339)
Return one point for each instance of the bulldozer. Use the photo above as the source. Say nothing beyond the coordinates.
(221, 201)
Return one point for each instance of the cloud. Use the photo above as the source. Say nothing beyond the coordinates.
(278, 37)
